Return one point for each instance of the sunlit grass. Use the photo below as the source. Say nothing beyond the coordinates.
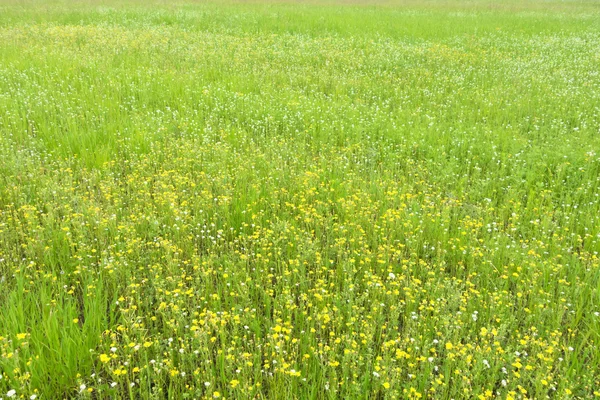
(265, 200)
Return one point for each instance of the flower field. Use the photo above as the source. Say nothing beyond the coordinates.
(325, 200)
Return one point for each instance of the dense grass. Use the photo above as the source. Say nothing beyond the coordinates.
(395, 200)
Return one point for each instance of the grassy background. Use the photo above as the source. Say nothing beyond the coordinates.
(299, 200)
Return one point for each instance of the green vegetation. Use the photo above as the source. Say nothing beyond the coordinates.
(311, 201)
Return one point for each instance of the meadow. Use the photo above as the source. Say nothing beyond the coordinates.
(285, 200)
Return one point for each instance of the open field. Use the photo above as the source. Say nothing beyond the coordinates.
(300, 200)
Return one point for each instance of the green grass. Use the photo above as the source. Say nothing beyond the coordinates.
(311, 201)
